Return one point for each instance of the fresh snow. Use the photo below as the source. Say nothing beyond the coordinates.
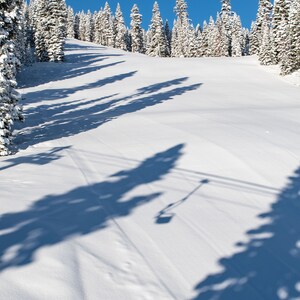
(151, 178)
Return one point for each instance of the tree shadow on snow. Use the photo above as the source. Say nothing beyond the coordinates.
(74, 47)
(34, 159)
(56, 94)
(81, 211)
(54, 121)
(268, 266)
(77, 65)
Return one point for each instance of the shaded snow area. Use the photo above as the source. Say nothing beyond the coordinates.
(150, 178)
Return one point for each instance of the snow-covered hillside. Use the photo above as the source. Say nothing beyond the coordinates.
(150, 178)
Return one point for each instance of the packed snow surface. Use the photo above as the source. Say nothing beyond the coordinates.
(150, 178)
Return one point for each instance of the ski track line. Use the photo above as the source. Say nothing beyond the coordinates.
(77, 275)
(123, 233)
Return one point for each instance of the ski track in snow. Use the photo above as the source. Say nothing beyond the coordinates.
(147, 178)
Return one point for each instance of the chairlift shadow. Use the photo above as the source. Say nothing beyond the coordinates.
(166, 215)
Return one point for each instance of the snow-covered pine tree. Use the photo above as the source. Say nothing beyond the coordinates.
(136, 30)
(221, 36)
(213, 39)
(120, 30)
(198, 41)
(107, 29)
(146, 39)
(279, 23)
(29, 23)
(183, 29)
(225, 28)
(193, 46)
(266, 53)
(9, 108)
(92, 25)
(174, 40)
(128, 39)
(263, 19)
(88, 26)
(41, 32)
(204, 42)
(21, 35)
(82, 26)
(56, 26)
(70, 23)
(157, 44)
(50, 29)
(236, 36)
(254, 42)
(168, 33)
(76, 26)
(98, 31)
(291, 58)
(294, 33)
(29, 34)
(245, 41)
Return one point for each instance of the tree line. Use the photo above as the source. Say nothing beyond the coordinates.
(224, 36)
(37, 32)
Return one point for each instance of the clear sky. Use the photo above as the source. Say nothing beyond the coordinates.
(199, 10)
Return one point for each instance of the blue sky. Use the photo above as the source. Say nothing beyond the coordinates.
(199, 10)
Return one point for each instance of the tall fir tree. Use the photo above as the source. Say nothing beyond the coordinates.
(174, 40)
(254, 42)
(291, 57)
(88, 26)
(70, 23)
(168, 33)
(225, 28)
(137, 44)
(41, 31)
(266, 53)
(108, 30)
(198, 40)
(50, 29)
(82, 26)
(10, 14)
(121, 41)
(183, 29)
(263, 18)
(157, 44)
(236, 36)
(76, 26)
(204, 40)
(279, 23)
(56, 24)
(246, 41)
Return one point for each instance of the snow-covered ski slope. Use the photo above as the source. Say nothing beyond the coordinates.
(147, 178)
